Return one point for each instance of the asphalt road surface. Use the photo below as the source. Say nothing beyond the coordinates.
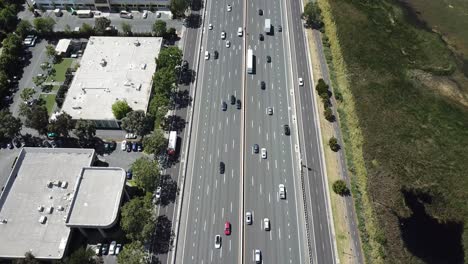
(284, 243)
(212, 198)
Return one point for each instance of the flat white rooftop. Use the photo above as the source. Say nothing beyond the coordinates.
(28, 196)
(97, 200)
(111, 69)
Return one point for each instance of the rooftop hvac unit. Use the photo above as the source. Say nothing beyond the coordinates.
(49, 184)
(103, 63)
(50, 209)
(60, 208)
(137, 43)
(43, 219)
(143, 66)
(57, 183)
(40, 208)
(138, 87)
(3, 221)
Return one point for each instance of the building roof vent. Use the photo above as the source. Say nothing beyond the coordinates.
(43, 219)
(64, 185)
(40, 208)
(103, 63)
(50, 209)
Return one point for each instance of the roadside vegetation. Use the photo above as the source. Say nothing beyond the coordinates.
(404, 123)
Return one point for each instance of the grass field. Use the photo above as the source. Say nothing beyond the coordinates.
(50, 102)
(412, 138)
(60, 70)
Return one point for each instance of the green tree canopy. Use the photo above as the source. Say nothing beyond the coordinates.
(137, 218)
(133, 253)
(37, 118)
(169, 58)
(12, 45)
(82, 255)
(86, 29)
(7, 18)
(137, 122)
(126, 28)
(100, 24)
(157, 103)
(340, 188)
(62, 124)
(321, 87)
(44, 25)
(313, 15)
(155, 143)
(159, 28)
(85, 129)
(146, 174)
(50, 51)
(120, 109)
(10, 126)
(164, 81)
(24, 28)
(4, 84)
(333, 143)
(178, 7)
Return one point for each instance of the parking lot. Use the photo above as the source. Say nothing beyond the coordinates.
(138, 23)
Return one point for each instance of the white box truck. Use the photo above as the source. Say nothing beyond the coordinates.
(267, 26)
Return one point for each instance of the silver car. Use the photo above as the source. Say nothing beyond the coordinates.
(248, 218)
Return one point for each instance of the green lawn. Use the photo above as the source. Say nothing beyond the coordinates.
(60, 69)
(50, 101)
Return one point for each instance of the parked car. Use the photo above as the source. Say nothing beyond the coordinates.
(134, 147)
(158, 192)
(129, 174)
(140, 147)
(145, 14)
(129, 147)
(118, 248)
(98, 249)
(105, 249)
(112, 248)
(130, 136)
(123, 145)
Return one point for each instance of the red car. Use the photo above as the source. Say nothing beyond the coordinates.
(227, 228)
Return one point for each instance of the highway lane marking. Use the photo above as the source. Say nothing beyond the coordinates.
(219, 128)
(204, 226)
(225, 147)
(224, 178)
(212, 130)
(274, 135)
(207, 190)
(233, 144)
(222, 212)
(279, 233)
(271, 236)
(211, 255)
(231, 207)
(252, 181)
(267, 136)
(276, 164)
(268, 165)
(269, 197)
(260, 188)
(218, 152)
(252, 123)
(216, 184)
(227, 121)
(210, 158)
(214, 218)
(230, 245)
(234, 117)
(259, 130)
(232, 174)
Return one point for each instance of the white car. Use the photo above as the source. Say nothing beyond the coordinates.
(130, 136)
(301, 82)
(158, 192)
(269, 110)
(123, 145)
(145, 14)
(266, 224)
(240, 32)
(264, 153)
(112, 248)
(223, 35)
(229, 8)
(97, 249)
(207, 55)
(118, 248)
(258, 256)
(210, 26)
(248, 218)
(217, 241)
(228, 43)
(282, 191)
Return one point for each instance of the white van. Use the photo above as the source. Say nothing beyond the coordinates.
(207, 55)
(240, 32)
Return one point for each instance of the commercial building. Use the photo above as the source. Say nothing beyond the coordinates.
(49, 192)
(112, 69)
(101, 4)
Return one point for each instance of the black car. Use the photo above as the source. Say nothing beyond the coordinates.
(185, 65)
(238, 104)
(260, 12)
(287, 131)
(224, 106)
(233, 99)
(129, 146)
(129, 174)
(280, 29)
(268, 59)
(255, 148)
(216, 54)
(222, 167)
(262, 85)
(260, 37)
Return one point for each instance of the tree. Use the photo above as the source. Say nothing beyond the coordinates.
(178, 7)
(137, 122)
(169, 58)
(321, 87)
(24, 28)
(82, 255)
(137, 218)
(12, 45)
(164, 81)
(340, 188)
(10, 126)
(4, 84)
(120, 109)
(85, 129)
(50, 52)
(171, 34)
(86, 29)
(37, 118)
(100, 24)
(62, 124)
(333, 143)
(133, 253)
(27, 94)
(28, 259)
(44, 25)
(329, 114)
(159, 28)
(146, 174)
(67, 29)
(313, 15)
(7, 18)
(155, 143)
(126, 28)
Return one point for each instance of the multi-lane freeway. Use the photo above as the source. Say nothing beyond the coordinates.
(247, 182)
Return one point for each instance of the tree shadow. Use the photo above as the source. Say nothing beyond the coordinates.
(170, 190)
(193, 21)
(173, 123)
(182, 99)
(164, 236)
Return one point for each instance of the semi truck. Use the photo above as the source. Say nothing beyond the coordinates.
(267, 26)
(171, 147)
